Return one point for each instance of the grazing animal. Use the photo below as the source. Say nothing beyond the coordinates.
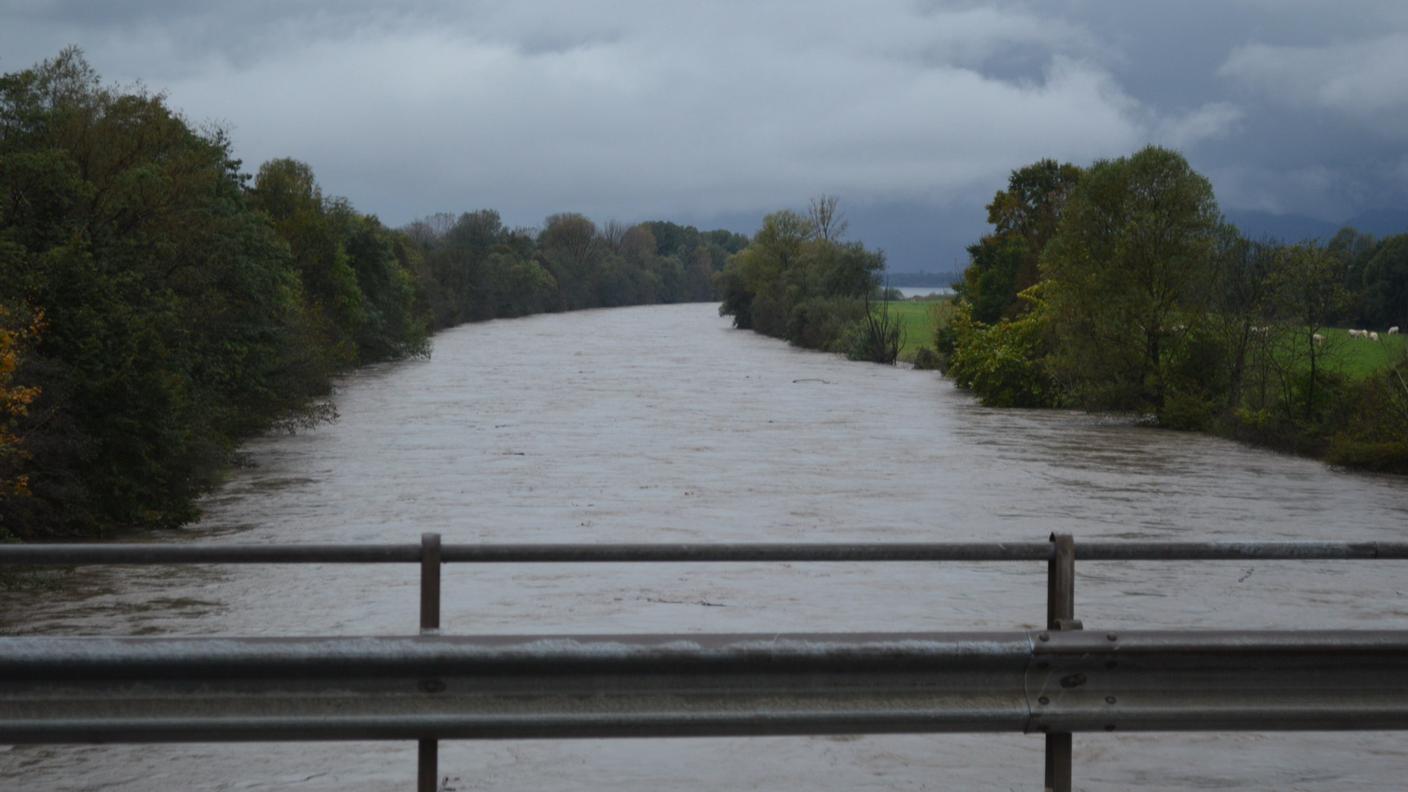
(1373, 336)
(1355, 333)
(1393, 330)
(1318, 339)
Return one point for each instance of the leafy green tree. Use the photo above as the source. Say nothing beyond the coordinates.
(572, 250)
(182, 311)
(1130, 271)
(1384, 285)
(518, 286)
(701, 256)
(762, 281)
(185, 309)
(699, 274)
(1242, 313)
(989, 285)
(288, 193)
(1003, 364)
(394, 327)
(172, 314)
(458, 259)
(1309, 291)
(1024, 218)
(796, 281)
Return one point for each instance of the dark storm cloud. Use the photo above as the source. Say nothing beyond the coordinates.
(727, 109)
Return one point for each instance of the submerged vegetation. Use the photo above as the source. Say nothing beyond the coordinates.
(1119, 287)
(157, 305)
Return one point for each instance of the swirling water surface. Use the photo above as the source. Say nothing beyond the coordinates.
(663, 424)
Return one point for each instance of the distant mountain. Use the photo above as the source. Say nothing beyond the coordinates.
(1301, 228)
(1380, 222)
(1281, 227)
(920, 237)
(921, 279)
(916, 236)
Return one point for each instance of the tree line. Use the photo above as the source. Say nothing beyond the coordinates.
(1120, 287)
(800, 281)
(157, 305)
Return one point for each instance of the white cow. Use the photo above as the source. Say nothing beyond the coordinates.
(1318, 339)
(1373, 336)
(1393, 330)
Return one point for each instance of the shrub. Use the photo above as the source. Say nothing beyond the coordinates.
(1003, 364)
(1187, 411)
(876, 337)
(1373, 428)
(823, 322)
(926, 359)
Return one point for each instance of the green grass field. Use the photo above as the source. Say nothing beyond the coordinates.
(920, 319)
(1358, 358)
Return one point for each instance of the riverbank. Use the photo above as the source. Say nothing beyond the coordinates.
(1356, 416)
(663, 424)
(159, 310)
(1354, 368)
(1121, 287)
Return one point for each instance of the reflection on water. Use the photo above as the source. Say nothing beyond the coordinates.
(662, 424)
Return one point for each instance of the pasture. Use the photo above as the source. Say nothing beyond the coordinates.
(920, 320)
(1357, 357)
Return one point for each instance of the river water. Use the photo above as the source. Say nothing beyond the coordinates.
(663, 424)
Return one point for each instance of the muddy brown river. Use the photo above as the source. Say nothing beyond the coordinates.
(663, 424)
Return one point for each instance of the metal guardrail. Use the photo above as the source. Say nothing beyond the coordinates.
(1057, 681)
(73, 554)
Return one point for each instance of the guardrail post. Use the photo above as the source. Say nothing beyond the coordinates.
(428, 758)
(1060, 615)
(429, 583)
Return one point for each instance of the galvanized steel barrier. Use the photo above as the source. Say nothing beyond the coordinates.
(1057, 681)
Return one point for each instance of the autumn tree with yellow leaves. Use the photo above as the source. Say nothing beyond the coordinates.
(14, 402)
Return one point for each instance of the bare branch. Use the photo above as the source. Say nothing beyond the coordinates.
(827, 220)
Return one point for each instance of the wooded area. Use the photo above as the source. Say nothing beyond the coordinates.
(1120, 287)
(799, 281)
(157, 304)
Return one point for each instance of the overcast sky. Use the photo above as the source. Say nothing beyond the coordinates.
(720, 111)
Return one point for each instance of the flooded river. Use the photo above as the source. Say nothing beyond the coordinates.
(662, 424)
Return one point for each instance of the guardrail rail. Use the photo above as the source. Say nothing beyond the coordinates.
(1058, 681)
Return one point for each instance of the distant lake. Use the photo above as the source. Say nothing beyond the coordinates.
(923, 291)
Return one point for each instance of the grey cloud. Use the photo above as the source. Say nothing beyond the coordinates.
(728, 109)
(1208, 122)
(1362, 79)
